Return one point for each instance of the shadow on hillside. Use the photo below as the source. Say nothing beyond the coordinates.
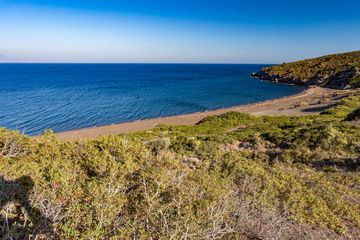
(317, 109)
(347, 164)
(18, 219)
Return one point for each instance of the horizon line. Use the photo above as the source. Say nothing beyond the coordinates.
(193, 63)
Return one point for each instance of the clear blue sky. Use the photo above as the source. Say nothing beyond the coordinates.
(209, 31)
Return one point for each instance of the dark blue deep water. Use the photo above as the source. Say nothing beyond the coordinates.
(35, 97)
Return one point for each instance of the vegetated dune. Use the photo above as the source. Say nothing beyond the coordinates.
(233, 176)
(335, 71)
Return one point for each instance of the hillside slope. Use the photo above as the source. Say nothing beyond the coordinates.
(335, 71)
(233, 176)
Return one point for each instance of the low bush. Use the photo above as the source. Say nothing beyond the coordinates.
(233, 176)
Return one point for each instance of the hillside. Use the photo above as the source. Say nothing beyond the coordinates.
(233, 176)
(334, 71)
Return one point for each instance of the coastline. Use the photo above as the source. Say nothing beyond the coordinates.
(310, 101)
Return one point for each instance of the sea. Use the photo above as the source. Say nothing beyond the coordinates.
(61, 97)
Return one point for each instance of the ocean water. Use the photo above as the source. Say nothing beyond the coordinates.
(35, 97)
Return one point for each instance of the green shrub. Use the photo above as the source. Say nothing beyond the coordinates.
(284, 178)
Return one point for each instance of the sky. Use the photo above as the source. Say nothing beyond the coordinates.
(176, 31)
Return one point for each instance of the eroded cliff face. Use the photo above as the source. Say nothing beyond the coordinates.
(265, 75)
(341, 71)
(340, 80)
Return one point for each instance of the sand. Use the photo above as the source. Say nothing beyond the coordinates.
(310, 101)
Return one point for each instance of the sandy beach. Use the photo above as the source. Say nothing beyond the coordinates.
(310, 101)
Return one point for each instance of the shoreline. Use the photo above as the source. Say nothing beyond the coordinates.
(306, 102)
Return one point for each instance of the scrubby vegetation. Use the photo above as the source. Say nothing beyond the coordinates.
(233, 176)
(337, 71)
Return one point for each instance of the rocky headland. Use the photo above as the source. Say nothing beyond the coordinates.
(339, 71)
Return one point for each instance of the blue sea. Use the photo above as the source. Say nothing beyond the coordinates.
(36, 97)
